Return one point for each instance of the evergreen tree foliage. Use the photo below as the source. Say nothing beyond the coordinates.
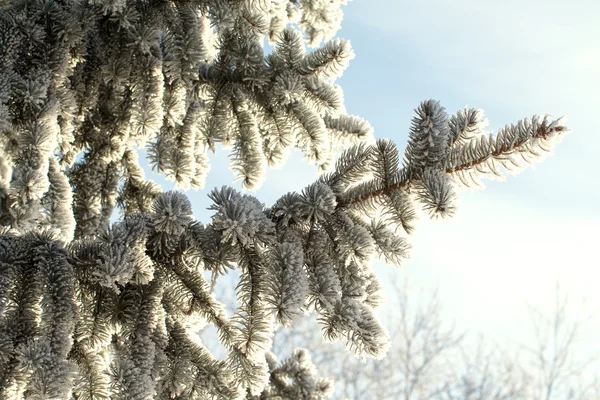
(90, 310)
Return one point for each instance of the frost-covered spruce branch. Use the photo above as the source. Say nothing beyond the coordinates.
(354, 212)
(82, 84)
(140, 292)
(135, 306)
(464, 161)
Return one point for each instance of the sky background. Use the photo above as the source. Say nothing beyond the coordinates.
(509, 244)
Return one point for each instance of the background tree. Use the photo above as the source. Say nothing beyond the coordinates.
(90, 309)
(430, 359)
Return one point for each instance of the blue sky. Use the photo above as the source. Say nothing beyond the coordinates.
(509, 243)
